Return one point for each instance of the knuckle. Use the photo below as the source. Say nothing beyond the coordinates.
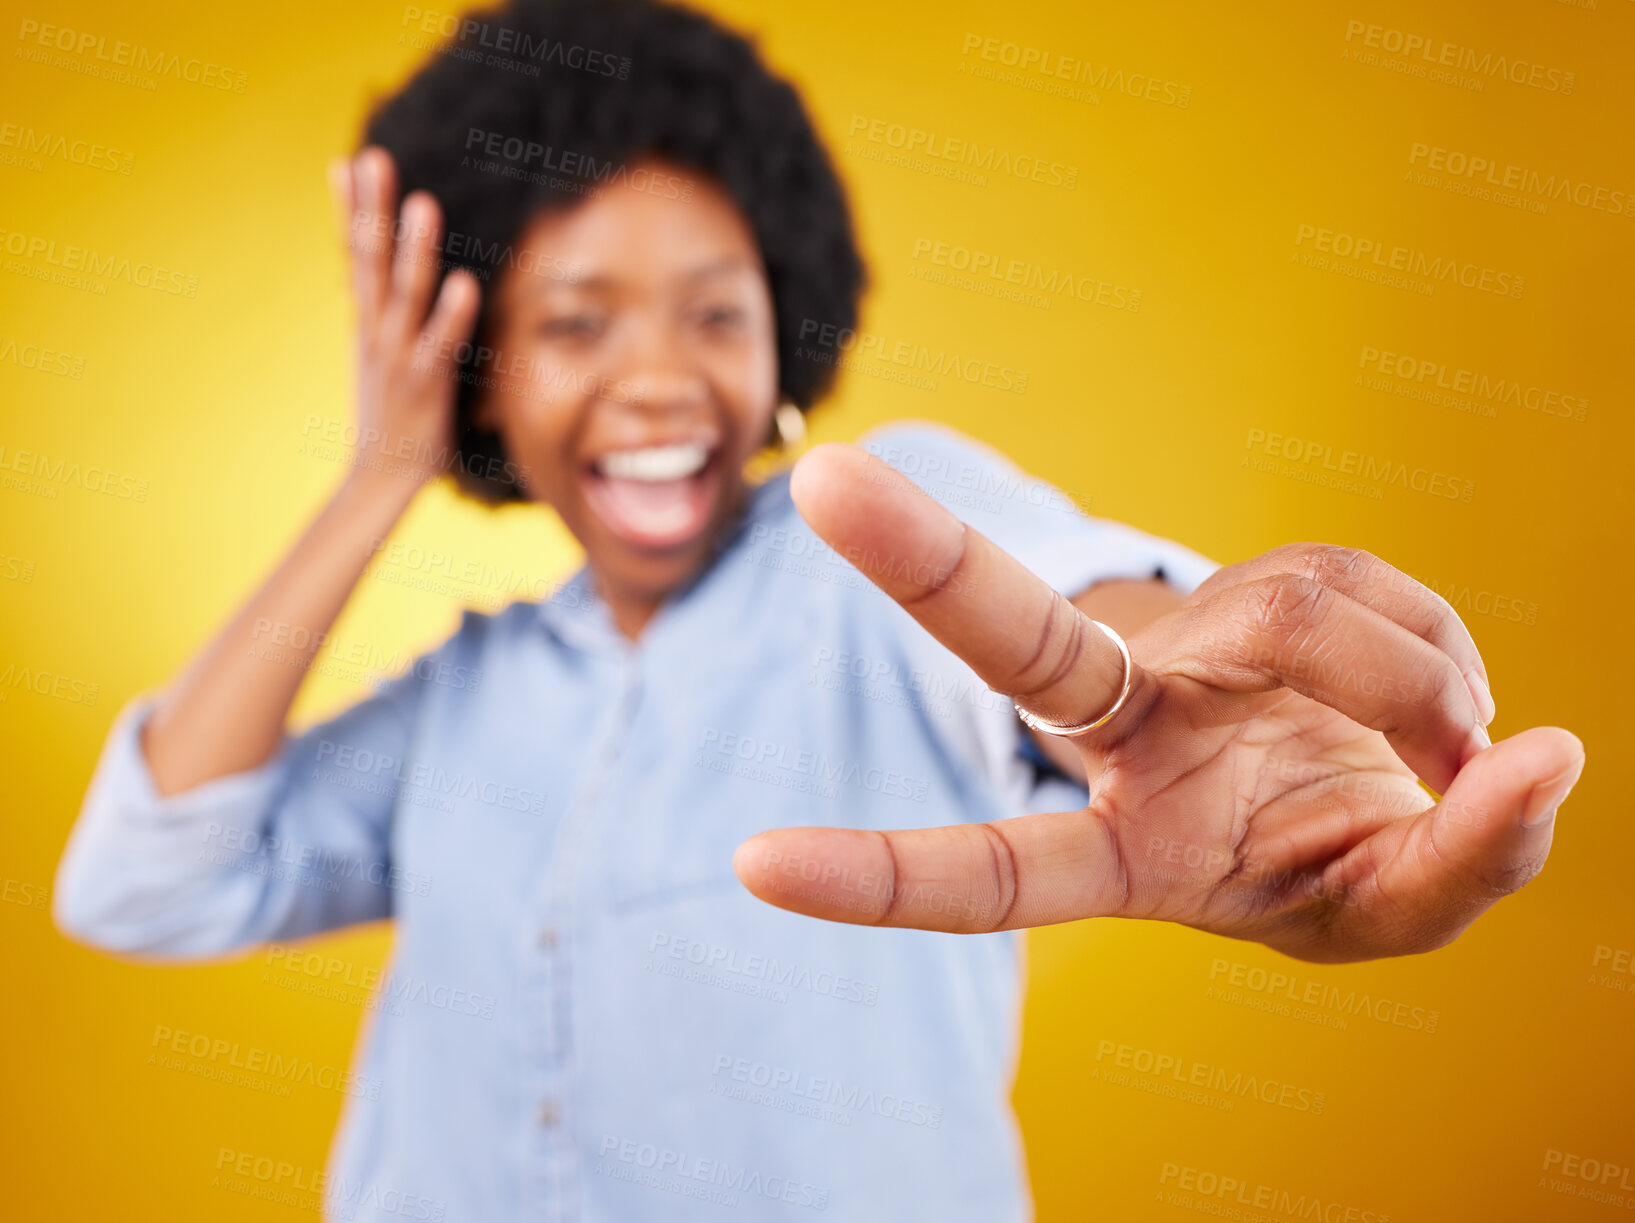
(1282, 604)
(1443, 625)
(1438, 683)
(1486, 881)
(1003, 867)
(1398, 582)
(1061, 643)
(1440, 610)
(1335, 563)
(1510, 877)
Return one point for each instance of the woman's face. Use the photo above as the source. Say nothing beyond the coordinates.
(635, 379)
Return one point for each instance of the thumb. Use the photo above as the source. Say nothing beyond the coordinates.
(1488, 836)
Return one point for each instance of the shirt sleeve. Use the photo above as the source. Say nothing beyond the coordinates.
(1031, 519)
(297, 845)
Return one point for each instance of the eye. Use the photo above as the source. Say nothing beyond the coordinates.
(720, 317)
(572, 327)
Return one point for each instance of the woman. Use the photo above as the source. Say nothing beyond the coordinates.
(655, 271)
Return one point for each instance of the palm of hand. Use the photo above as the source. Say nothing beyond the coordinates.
(1260, 781)
(1270, 821)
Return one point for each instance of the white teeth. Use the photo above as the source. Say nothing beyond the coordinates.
(655, 464)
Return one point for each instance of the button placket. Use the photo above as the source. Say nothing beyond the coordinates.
(558, 899)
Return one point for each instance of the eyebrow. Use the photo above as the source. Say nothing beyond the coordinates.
(730, 263)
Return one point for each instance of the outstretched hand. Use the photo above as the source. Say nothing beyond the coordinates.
(1259, 781)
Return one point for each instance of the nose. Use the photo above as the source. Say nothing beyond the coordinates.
(663, 373)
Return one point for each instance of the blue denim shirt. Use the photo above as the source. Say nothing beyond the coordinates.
(596, 1021)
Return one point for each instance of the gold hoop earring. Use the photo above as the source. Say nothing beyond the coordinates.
(790, 423)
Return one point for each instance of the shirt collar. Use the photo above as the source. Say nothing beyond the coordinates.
(579, 617)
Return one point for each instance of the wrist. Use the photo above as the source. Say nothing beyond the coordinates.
(380, 487)
(375, 500)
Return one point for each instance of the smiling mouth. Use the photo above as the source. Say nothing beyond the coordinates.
(654, 497)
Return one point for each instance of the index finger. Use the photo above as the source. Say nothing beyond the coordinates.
(1370, 581)
(1033, 870)
(1022, 637)
(373, 229)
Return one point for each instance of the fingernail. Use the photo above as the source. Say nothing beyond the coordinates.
(1478, 742)
(1547, 797)
(1482, 695)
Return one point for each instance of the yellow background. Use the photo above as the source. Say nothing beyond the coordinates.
(1143, 414)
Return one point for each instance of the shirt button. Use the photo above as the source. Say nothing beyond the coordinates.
(547, 938)
(549, 1114)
